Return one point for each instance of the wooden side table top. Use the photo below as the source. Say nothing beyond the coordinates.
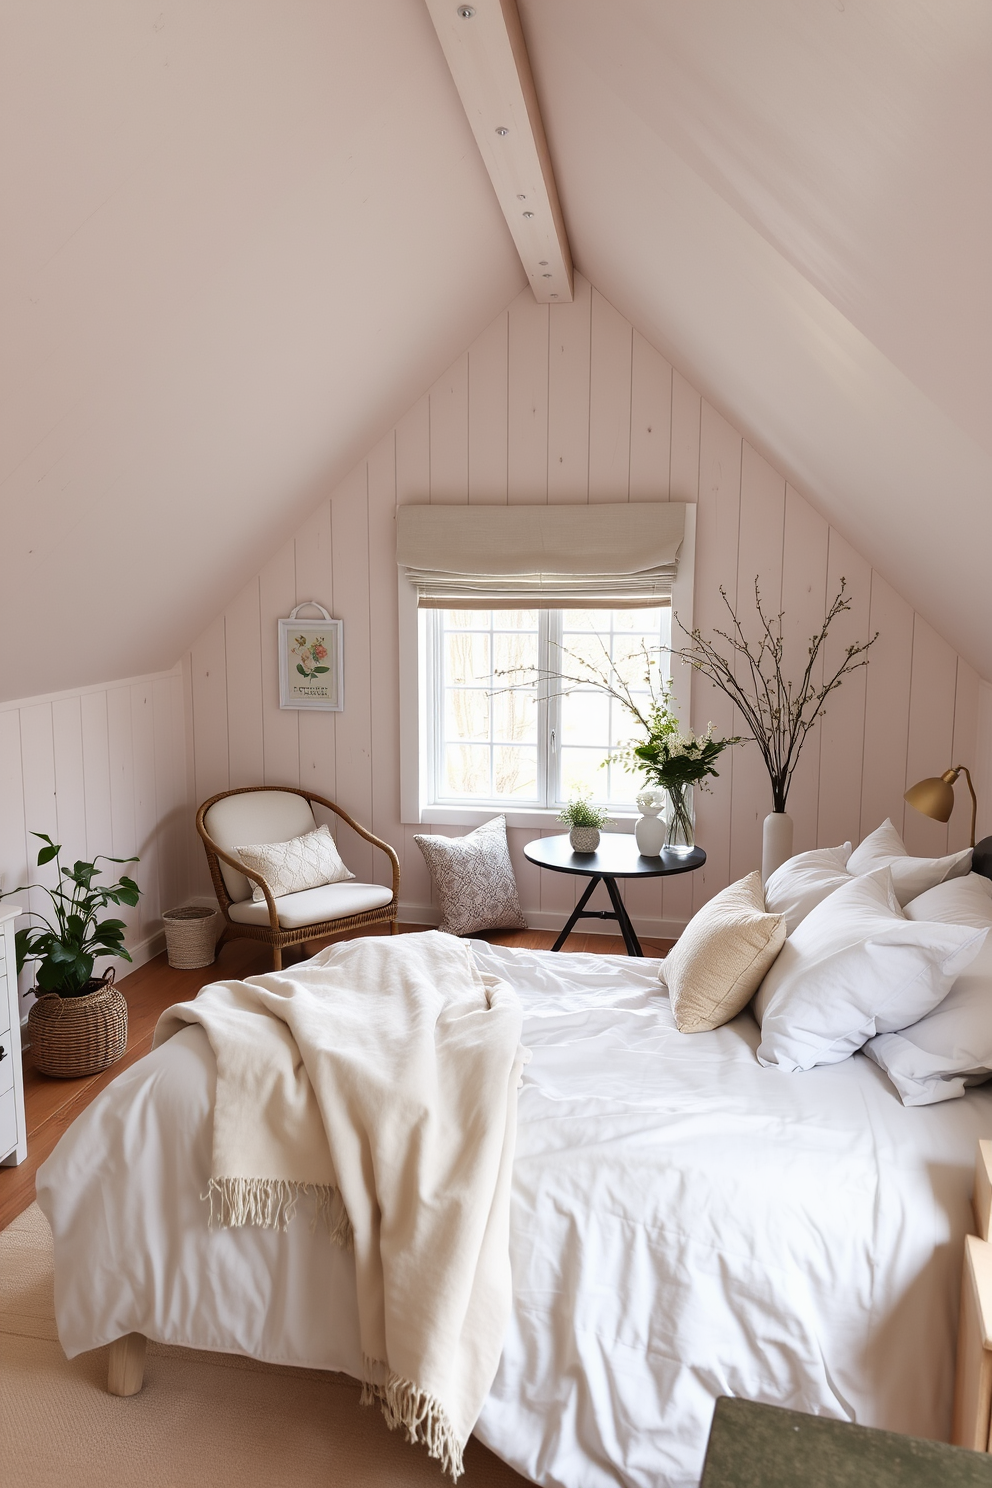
(764, 1446)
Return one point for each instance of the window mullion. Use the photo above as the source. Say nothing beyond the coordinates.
(552, 794)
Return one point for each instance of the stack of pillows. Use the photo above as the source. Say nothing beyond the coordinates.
(870, 949)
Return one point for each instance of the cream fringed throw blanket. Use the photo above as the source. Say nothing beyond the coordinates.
(381, 1078)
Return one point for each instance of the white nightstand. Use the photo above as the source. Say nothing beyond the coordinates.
(13, 1133)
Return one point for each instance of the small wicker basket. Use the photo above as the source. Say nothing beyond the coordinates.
(76, 1036)
(191, 935)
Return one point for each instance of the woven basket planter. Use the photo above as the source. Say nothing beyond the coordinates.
(191, 935)
(76, 1036)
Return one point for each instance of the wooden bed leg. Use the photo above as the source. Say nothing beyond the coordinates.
(126, 1368)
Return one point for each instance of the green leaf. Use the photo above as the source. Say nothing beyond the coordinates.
(302, 672)
(47, 853)
(321, 669)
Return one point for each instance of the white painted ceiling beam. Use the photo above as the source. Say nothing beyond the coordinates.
(486, 52)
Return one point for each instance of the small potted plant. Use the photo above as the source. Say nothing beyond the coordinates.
(585, 822)
(78, 1023)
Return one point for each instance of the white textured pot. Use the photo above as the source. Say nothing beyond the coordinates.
(649, 834)
(776, 842)
(584, 839)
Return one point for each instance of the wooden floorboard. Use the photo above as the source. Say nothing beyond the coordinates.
(51, 1106)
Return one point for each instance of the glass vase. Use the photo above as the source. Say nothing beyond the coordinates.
(680, 836)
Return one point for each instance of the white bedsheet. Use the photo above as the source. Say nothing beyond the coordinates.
(685, 1224)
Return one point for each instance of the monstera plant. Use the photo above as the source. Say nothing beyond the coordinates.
(66, 942)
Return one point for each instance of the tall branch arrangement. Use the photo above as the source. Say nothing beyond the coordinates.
(667, 755)
(778, 713)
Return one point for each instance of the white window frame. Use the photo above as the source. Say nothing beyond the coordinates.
(417, 712)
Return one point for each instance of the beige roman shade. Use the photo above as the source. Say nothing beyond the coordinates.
(544, 557)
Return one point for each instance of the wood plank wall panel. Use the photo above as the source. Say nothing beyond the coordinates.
(611, 344)
(931, 730)
(527, 402)
(759, 558)
(888, 685)
(243, 653)
(717, 540)
(804, 570)
(650, 422)
(568, 403)
(487, 414)
(964, 749)
(101, 771)
(314, 580)
(570, 330)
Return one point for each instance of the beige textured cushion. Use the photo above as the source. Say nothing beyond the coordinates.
(306, 862)
(719, 960)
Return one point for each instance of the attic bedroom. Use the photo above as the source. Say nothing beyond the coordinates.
(496, 743)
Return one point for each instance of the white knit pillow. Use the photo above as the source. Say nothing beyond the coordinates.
(474, 879)
(304, 862)
(718, 961)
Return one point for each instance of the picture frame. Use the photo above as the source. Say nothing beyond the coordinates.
(311, 661)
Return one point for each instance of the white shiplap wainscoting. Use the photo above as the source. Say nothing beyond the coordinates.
(568, 403)
(102, 770)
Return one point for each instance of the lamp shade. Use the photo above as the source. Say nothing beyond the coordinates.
(934, 797)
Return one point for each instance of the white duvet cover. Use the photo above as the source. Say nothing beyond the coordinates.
(685, 1224)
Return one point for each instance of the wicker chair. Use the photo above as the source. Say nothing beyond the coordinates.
(277, 814)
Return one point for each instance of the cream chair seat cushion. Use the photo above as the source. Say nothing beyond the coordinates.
(311, 906)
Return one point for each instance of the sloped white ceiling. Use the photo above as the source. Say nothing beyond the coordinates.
(793, 199)
(239, 238)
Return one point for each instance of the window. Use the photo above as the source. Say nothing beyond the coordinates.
(505, 724)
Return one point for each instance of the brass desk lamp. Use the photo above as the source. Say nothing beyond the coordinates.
(934, 797)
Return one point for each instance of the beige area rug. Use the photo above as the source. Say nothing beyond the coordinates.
(201, 1418)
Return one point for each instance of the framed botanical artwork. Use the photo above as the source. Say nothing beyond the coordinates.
(311, 661)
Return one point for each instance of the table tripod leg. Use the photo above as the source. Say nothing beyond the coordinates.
(630, 940)
(576, 912)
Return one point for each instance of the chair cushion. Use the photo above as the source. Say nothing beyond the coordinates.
(304, 862)
(255, 816)
(331, 902)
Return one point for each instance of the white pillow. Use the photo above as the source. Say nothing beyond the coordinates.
(951, 1048)
(804, 881)
(304, 862)
(945, 1052)
(884, 848)
(856, 966)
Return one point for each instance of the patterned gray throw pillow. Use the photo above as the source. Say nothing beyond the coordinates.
(474, 879)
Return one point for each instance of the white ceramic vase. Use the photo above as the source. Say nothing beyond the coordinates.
(649, 834)
(776, 842)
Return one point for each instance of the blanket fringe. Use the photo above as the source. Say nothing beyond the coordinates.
(417, 1412)
(270, 1204)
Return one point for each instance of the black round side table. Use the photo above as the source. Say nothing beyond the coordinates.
(616, 857)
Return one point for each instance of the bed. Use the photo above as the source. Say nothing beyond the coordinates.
(684, 1224)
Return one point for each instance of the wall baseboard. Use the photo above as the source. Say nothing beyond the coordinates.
(650, 929)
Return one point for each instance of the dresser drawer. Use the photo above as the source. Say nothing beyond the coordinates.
(8, 1122)
(6, 1063)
